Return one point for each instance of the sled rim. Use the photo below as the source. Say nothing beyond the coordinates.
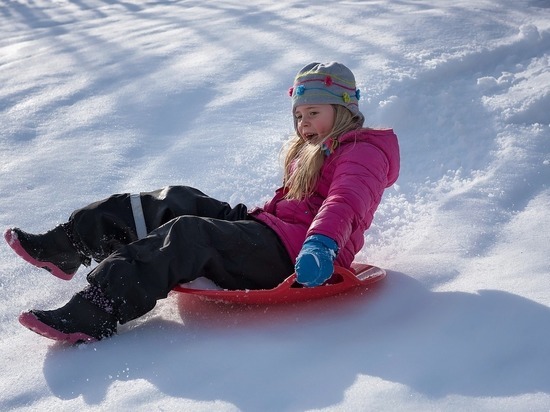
(289, 291)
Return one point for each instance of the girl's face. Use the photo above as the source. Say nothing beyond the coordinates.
(314, 122)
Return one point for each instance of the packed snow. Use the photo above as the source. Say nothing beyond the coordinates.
(100, 97)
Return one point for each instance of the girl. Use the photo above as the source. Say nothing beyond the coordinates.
(335, 172)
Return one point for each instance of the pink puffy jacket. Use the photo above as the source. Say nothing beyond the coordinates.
(342, 206)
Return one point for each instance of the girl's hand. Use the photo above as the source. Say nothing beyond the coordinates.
(315, 262)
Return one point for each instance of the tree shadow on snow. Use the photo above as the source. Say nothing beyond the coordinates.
(490, 344)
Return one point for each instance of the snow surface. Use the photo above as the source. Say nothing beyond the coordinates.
(103, 96)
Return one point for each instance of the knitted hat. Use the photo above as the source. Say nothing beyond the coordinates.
(330, 83)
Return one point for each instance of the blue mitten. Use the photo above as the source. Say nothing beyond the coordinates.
(315, 262)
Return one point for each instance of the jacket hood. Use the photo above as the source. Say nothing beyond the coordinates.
(383, 139)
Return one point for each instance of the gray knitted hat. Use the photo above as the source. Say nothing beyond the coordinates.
(326, 83)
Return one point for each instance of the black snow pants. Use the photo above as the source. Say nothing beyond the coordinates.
(184, 235)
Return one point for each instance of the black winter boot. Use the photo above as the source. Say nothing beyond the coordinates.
(87, 317)
(52, 250)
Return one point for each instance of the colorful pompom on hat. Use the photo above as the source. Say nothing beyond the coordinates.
(326, 83)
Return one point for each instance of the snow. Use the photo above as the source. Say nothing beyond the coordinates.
(100, 97)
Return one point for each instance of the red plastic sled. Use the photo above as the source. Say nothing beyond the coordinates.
(290, 291)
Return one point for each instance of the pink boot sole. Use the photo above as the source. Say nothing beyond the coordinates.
(30, 321)
(13, 242)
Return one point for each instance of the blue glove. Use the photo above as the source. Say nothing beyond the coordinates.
(315, 262)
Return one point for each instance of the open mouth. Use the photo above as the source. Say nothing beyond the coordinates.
(309, 136)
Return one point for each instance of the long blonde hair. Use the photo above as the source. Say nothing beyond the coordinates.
(303, 159)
